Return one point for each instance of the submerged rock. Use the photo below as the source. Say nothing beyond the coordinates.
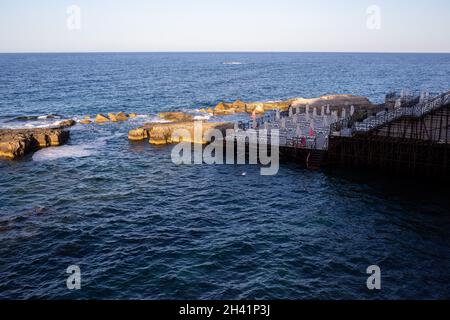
(132, 115)
(15, 143)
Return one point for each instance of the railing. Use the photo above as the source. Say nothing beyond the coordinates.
(417, 110)
(267, 117)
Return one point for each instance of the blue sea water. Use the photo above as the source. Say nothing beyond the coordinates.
(141, 227)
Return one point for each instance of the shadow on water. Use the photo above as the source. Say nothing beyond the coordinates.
(403, 189)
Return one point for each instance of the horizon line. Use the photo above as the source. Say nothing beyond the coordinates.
(219, 51)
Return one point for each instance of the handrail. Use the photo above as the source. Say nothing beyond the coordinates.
(417, 110)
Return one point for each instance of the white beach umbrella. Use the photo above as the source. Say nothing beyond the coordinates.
(352, 110)
(283, 123)
(315, 112)
(328, 109)
(335, 116)
(278, 114)
(322, 111)
(290, 113)
(325, 121)
(307, 109)
(344, 113)
(299, 132)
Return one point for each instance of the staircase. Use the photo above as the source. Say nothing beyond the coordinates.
(419, 110)
(314, 159)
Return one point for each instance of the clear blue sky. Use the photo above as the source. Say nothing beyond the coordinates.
(225, 25)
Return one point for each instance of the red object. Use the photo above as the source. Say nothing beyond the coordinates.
(311, 132)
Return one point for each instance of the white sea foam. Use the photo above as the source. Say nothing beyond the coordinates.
(233, 63)
(32, 124)
(54, 153)
(148, 118)
(203, 117)
(77, 151)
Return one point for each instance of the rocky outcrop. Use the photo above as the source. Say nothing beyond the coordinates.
(15, 143)
(112, 117)
(176, 116)
(334, 101)
(100, 118)
(163, 133)
(138, 134)
(121, 116)
(85, 121)
(238, 106)
(66, 124)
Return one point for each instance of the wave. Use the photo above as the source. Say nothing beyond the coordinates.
(233, 63)
(31, 118)
(203, 117)
(54, 153)
(77, 151)
(35, 124)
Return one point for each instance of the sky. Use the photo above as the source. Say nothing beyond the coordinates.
(224, 25)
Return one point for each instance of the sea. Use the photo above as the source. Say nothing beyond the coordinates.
(139, 226)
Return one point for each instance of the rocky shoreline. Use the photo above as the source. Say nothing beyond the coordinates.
(335, 102)
(163, 133)
(15, 143)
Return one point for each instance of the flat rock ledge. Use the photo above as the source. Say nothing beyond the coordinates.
(334, 101)
(163, 133)
(15, 143)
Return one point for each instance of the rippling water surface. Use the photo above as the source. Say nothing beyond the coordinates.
(141, 227)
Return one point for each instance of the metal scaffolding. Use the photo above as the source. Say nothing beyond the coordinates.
(408, 144)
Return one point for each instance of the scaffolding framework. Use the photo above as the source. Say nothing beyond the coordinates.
(408, 145)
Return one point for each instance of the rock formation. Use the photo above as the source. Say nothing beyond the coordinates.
(100, 118)
(162, 133)
(138, 134)
(334, 101)
(175, 116)
(112, 117)
(65, 124)
(121, 116)
(15, 143)
(85, 121)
